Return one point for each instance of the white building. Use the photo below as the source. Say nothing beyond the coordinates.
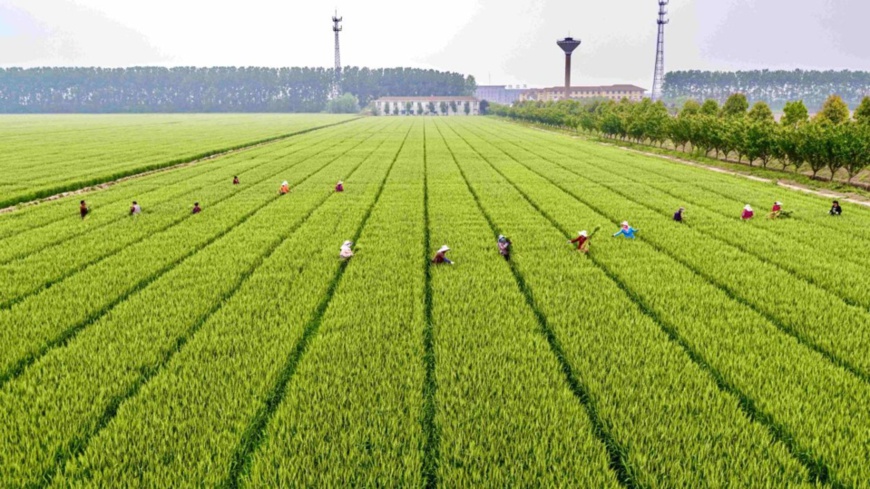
(427, 106)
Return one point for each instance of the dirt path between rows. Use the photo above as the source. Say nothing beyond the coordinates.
(111, 183)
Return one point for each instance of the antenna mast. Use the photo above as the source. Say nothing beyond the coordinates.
(659, 77)
(336, 81)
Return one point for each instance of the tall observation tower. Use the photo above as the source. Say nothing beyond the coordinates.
(569, 44)
(336, 80)
(659, 77)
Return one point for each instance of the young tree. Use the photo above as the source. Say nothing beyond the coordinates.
(467, 108)
(759, 141)
(395, 109)
(431, 107)
(834, 111)
(409, 108)
(710, 107)
(794, 113)
(853, 147)
(736, 105)
(386, 108)
(690, 108)
(443, 106)
(812, 139)
(453, 107)
(420, 108)
(761, 113)
(786, 147)
(862, 113)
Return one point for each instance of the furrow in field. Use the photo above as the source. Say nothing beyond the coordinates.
(108, 364)
(154, 192)
(489, 347)
(839, 331)
(24, 278)
(813, 409)
(54, 315)
(647, 396)
(196, 420)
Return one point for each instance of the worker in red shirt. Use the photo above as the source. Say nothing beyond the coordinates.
(776, 211)
(196, 208)
(339, 187)
(582, 241)
(747, 213)
(440, 256)
(236, 180)
(83, 209)
(285, 188)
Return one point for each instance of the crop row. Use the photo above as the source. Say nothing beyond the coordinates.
(40, 164)
(51, 315)
(837, 329)
(164, 196)
(195, 422)
(800, 396)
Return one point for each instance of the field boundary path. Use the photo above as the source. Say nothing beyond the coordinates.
(789, 185)
(171, 165)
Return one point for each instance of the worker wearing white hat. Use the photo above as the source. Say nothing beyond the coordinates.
(440, 256)
(346, 252)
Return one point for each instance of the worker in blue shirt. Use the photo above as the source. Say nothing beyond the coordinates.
(626, 231)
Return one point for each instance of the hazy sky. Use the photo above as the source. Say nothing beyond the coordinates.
(502, 41)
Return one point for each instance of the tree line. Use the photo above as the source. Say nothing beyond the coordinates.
(834, 139)
(219, 89)
(776, 88)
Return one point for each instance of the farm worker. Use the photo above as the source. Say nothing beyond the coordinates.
(747, 213)
(83, 209)
(626, 231)
(678, 216)
(346, 252)
(196, 208)
(135, 210)
(582, 241)
(440, 256)
(504, 247)
(285, 188)
(236, 180)
(339, 187)
(775, 211)
(836, 210)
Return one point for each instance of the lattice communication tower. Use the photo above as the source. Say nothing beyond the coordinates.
(336, 81)
(659, 77)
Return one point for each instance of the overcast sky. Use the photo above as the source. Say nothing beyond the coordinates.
(502, 41)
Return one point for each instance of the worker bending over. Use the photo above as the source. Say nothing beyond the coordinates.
(236, 180)
(440, 256)
(346, 252)
(747, 213)
(196, 208)
(339, 187)
(836, 210)
(626, 231)
(678, 216)
(582, 241)
(285, 188)
(504, 247)
(135, 210)
(83, 209)
(775, 211)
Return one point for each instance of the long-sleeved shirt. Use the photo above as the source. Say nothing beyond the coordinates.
(776, 208)
(580, 240)
(135, 210)
(197, 210)
(440, 258)
(678, 216)
(747, 214)
(339, 188)
(836, 210)
(628, 233)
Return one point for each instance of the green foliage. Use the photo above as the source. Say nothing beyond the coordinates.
(735, 106)
(862, 113)
(794, 113)
(761, 112)
(690, 108)
(710, 107)
(834, 111)
(346, 104)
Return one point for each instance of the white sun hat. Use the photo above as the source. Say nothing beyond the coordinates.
(443, 249)
(582, 233)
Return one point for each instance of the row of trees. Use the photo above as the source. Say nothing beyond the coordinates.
(832, 140)
(776, 88)
(410, 108)
(221, 89)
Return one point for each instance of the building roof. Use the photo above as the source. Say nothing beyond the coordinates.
(458, 98)
(623, 88)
